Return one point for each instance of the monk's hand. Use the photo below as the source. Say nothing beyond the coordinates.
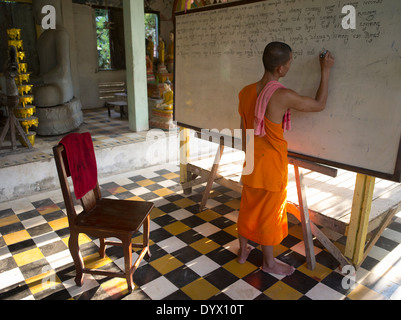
(326, 61)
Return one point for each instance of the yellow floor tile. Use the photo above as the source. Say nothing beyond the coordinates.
(277, 250)
(364, 293)
(145, 183)
(65, 240)
(83, 238)
(16, 237)
(233, 230)
(139, 240)
(240, 270)
(163, 192)
(44, 281)
(117, 190)
(200, 289)
(183, 203)
(340, 246)
(59, 224)
(204, 245)
(296, 231)
(318, 274)
(9, 220)
(208, 215)
(171, 175)
(156, 212)
(116, 288)
(94, 261)
(281, 291)
(166, 264)
(28, 256)
(177, 228)
(235, 204)
(214, 194)
(48, 209)
(136, 198)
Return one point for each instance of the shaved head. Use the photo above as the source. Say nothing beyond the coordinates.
(276, 54)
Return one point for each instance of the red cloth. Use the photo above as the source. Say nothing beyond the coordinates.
(81, 162)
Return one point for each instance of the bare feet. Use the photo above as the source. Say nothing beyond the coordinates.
(244, 254)
(279, 267)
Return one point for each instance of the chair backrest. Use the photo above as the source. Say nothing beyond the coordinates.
(88, 201)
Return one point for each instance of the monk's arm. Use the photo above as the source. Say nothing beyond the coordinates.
(308, 104)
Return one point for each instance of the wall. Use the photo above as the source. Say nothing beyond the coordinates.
(87, 62)
(85, 44)
(32, 178)
(80, 22)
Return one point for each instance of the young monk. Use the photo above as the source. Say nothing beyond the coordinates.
(263, 107)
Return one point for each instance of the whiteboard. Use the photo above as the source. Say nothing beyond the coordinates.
(219, 51)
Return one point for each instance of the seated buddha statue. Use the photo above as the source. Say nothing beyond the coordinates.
(168, 97)
(54, 84)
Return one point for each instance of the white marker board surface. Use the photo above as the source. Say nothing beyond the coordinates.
(219, 51)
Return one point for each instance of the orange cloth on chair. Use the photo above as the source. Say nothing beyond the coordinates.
(263, 217)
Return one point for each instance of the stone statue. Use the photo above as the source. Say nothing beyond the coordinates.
(54, 84)
(170, 56)
(10, 72)
(150, 47)
(58, 110)
(150, 77)
(161, 49)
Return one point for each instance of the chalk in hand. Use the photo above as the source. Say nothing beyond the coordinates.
(323, 53)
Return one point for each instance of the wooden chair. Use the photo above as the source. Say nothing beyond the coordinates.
(104, 218)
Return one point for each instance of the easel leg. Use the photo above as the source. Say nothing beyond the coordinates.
(11, 124)
(306, 224)
(387, 221)
(22, 133)
(358, 227)
(12, 130)
(184, 158)
(5, 130)
(212, 176)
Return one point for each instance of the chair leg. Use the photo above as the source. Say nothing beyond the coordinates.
(146, 226)
(108, 109)
(73, 245)
(127, 244)
(102, 249)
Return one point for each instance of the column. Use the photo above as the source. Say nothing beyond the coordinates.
(134, 29)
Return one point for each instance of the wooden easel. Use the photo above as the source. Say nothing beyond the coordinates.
(362, 231)
(11, 124)
(308, 228)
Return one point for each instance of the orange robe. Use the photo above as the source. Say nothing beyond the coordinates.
(262, 217)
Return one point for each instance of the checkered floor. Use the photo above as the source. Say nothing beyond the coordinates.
(193, 253)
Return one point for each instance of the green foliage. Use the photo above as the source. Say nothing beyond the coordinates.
(103, 35)
(151, 28)
(103, 39)
(150, 25)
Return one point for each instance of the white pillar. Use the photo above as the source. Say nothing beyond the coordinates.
(134, 28)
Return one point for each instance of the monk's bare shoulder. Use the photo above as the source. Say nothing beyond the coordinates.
(283, 99)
